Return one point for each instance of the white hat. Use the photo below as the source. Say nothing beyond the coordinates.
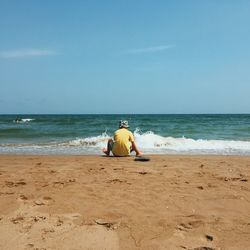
(123, 124)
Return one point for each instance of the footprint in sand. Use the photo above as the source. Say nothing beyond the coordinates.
(117, 168)
(232, 179)
(17, 220)
(47, 198)
(52, 171)
(245, 180)
(15, 184)
(190, 225)
(38, 218)
(44, 201)
(30, 245)
(72, 180)
(39, 203)
(6, 193)
(203, 248)
(20, 183)
(59, 222)
(48, 230)
(110, 225)
(184, 227)
(142, 172)
(58, 184)
(211, 185)
(115, 181)
(22, 197)
(37, 248)
(72, 216)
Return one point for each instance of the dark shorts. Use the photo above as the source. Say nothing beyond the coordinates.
(110, 145)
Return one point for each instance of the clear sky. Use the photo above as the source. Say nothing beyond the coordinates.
(129, 56)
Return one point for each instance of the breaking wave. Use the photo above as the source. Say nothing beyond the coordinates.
(23, 120)
(148, 142)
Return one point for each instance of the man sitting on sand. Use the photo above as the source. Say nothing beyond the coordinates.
(123, 143)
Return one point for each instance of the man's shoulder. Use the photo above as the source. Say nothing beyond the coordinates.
(130, 132)
(122, 130)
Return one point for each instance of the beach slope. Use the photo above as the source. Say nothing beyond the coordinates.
(95, 202)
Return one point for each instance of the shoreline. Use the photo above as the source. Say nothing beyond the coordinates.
(98, 202)
(128, 157)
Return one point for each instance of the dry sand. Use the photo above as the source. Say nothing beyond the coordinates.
(94, 202)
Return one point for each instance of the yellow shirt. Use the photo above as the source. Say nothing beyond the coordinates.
(122, 142)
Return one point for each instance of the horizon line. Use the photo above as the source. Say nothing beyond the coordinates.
(19, 114)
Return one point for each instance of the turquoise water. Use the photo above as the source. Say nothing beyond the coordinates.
(164, 134)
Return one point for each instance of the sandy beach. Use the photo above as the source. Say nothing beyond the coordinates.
(95, 202)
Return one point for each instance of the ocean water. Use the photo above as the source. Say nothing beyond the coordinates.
(154, 134)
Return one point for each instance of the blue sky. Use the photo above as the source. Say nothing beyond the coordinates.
(124, 56)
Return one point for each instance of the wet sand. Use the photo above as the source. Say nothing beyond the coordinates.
(95, 202)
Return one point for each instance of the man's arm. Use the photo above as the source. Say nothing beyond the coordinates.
(134, 147)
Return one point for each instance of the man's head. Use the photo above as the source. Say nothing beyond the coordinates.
(123, 124)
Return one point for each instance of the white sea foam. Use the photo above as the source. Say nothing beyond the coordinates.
(27, 120)
(148, 142)
(95, 141)
(23, 120)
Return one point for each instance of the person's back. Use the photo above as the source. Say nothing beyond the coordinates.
(123, 139)
(123, 143)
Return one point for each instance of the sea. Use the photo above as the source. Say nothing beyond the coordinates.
(219, 134)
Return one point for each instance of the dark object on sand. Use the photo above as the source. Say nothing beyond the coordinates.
(142, 158)
(209, 237)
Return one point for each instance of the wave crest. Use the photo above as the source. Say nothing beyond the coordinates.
(23, 120)
(148, 142)
(95, 141)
